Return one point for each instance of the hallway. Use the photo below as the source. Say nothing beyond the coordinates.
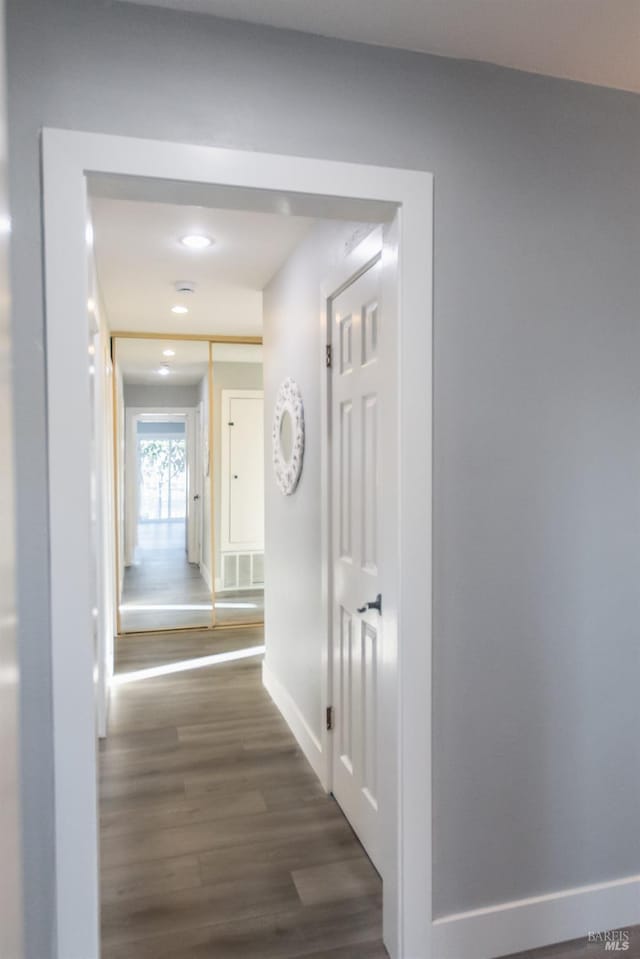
(217, 839)
(162, 589)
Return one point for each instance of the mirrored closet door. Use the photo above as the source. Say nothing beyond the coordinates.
(238, 482)
(162, 390)
(189, 483)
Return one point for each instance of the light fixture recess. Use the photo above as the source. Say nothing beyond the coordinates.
(164, 370)
(168, 352)
(196, 241)
(180, 310)
(185, 286)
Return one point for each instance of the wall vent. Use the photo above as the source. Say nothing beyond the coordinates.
(242, 570)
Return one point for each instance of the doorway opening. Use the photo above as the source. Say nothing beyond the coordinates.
(163, 586)
(395, 198)
(189, 479)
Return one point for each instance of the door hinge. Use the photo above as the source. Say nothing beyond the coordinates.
(328, 355)
(329, 718)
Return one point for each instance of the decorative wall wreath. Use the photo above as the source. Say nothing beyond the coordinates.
(287, 469)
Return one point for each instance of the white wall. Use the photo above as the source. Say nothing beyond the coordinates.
(226, 376)
(206, 565)
(293, 347)
(11, 931)
(103, 508)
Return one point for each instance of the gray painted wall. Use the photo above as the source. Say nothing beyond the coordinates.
(11, 931)
(141, 395)
(537, 464)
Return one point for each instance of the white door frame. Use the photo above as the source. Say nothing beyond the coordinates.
(67, 157)
(355, 263)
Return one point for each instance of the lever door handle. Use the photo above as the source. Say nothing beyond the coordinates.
(376, 604)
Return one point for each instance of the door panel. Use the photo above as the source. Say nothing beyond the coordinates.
(240, 576)
(355, 392)
(246, 473)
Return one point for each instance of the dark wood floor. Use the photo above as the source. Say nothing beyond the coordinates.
(216, 838)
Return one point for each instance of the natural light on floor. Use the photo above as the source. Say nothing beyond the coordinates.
(137, 608)
(121, 679)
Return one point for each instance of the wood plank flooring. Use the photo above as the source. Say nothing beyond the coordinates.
(217, 841)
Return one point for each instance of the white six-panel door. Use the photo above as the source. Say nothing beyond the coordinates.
(355, 467)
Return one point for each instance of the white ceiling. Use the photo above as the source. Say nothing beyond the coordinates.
(595, 41)
(139, 258)
(140, 360)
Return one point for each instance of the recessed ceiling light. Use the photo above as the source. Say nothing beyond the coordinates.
(168, 352)
(196, 241)
(164, 370)
(179, 309)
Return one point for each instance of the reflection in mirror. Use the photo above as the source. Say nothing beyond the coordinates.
(165, 559)
(238, 482)
(286, 436)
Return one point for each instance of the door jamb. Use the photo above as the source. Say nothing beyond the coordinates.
(341, 276)
(312, 184)
(379, 245)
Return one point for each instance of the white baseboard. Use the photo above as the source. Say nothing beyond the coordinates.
(206, 574)
(252, 588)
(305, 737)
(539, 921)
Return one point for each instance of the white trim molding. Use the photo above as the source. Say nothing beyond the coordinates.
(316, 188)
(304, 735)
(525, 924)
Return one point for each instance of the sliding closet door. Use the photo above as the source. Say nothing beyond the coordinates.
(166, 563)
(238, 466)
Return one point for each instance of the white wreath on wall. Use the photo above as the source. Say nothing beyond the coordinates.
(288, 471)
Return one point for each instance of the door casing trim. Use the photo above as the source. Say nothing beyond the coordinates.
(352, 188)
